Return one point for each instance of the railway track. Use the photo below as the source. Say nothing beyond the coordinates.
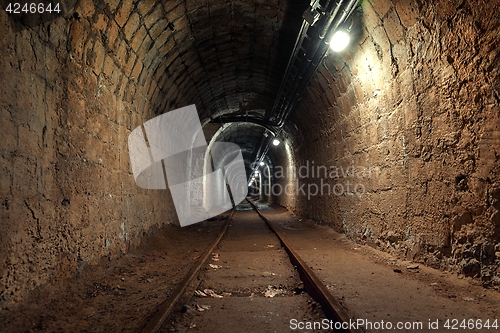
(250, 279)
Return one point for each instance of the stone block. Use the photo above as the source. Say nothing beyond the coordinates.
(112, 35)
(393, 27)
(124, 12)
(132, 26)
(101, 22)
(138, 38)
(77, 39)
(159, 27)
(121, 52)
(112, 4)
(154, 16)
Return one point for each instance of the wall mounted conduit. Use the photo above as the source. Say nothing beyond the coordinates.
(320, 21)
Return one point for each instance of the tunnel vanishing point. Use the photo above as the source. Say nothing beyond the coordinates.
(394, 141)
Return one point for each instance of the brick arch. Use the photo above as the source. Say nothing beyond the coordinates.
(163, 56)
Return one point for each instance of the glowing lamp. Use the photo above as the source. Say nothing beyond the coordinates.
(339, 41)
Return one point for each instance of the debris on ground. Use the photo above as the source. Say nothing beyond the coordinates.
(272, 291)
(210, 293)
(202, 307)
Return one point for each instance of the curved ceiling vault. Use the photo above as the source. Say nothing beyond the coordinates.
(227, 57)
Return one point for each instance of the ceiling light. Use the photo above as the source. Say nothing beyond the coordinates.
(261, 163)
(339, 41)
(276, 142)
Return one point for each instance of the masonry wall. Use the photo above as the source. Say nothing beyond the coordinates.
(415, 99)
(71, 93)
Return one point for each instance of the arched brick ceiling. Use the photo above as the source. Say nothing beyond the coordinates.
(227, 57)
(223, 56)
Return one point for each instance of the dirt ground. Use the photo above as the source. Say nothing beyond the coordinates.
(374, 286)
(257, 288)
(120, 295)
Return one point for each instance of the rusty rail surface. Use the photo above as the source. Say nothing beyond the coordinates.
(167, 306)
(314, 286)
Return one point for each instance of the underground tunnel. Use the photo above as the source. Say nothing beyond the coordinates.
(365, 133)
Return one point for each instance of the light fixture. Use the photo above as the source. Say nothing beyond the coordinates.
(261, 163)
(276, 142)
(339, 41)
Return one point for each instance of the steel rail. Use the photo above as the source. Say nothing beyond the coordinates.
(168, 305)
(315, 288)
(313, 285)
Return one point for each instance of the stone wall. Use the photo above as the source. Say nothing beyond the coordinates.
(75, 83)
(71, 93)
(286, 157)
(415, 99)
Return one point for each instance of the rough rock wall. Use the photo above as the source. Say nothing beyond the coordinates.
(416, 100)
(71, 93)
